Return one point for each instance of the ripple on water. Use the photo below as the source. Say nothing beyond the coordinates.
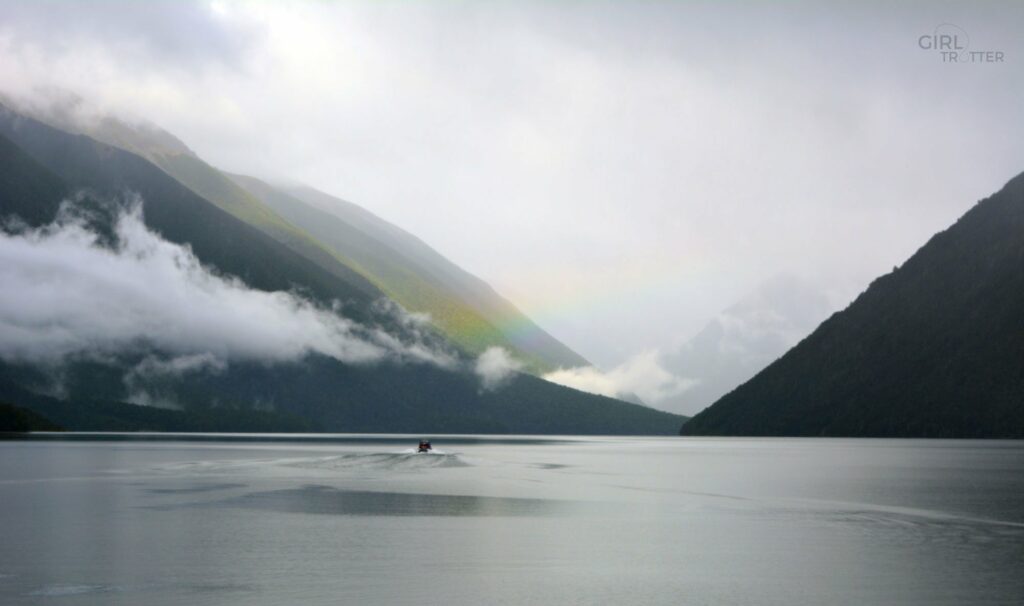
(60, 589)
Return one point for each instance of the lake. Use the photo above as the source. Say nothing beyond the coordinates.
(343, 519)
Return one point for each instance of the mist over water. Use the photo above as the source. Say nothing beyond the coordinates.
(365, 520)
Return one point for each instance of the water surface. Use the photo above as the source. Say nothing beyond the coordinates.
(129, 519)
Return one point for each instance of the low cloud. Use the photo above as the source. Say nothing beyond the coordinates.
(744, 338)
(154, 366)
(642, 375)
(68, 291)
(495, 367)
(139, 380)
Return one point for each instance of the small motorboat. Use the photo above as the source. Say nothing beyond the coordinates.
(424, 446)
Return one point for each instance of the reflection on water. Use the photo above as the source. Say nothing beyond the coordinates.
(195, 488)
(361, 520)
(327, 500)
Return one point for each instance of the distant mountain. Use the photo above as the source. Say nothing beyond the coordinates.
(743, 339)
(933, 349)
(41, 166)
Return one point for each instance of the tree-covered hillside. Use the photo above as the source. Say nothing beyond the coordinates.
(322, 394)
(343, 239)
(518, 330)
(933, 349)
(401, 279)
(41, 166)
(18, 419)
(173, 210)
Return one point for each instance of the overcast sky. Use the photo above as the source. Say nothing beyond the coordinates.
(622, 171)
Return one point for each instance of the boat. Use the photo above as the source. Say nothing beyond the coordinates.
(424, 446)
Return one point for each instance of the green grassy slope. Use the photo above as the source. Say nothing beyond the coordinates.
(519, 331)
(414, 288)
(214, 186)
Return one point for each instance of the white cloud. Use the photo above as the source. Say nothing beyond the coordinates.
(65, 294)
(642, 375)
(154, 366)
(137, 380)
(495, 366)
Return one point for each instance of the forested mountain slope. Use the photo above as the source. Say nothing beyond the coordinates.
(933, 349)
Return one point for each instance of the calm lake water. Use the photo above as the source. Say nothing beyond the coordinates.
(363, 520)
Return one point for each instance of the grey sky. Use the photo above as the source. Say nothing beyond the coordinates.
(622, 171)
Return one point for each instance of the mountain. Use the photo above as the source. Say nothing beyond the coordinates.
(341, 238)
(78, 162)
(932, 349)
(41, 167)
(321, 394)
(743, 339)
(515, 328)
(464, 307)
(92, 415)
(17, 419)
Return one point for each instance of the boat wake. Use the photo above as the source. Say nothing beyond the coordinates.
(397, 461)
(405, 460)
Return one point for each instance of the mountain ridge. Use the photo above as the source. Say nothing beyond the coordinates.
(931, 349)
(395, 262)
(400, 261)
